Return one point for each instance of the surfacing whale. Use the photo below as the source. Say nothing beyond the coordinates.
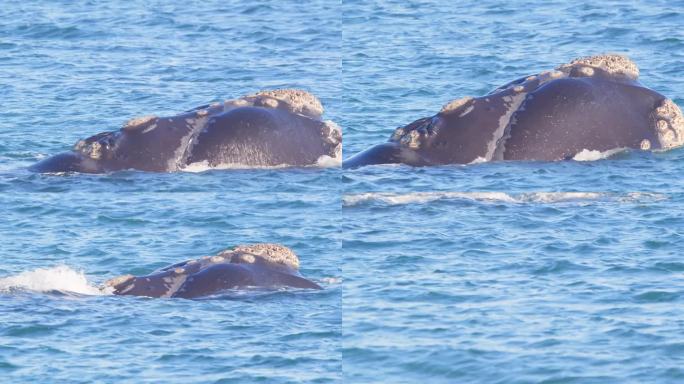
(593, 103)
(257, 265)
(269, 128)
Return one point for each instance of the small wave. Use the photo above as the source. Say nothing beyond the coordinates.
(53, 31)
(531, 197)
(331, 280)
(326, 161)
(203, 166)
(591, 155)
(478, 160)
(59, 278)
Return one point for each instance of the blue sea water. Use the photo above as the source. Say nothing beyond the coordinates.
(528, 272)
(69, 70)
(524, 272)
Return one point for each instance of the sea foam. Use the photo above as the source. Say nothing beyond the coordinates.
(497, 197)
(58, 278)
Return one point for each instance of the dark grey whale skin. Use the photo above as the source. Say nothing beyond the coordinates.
(209, 276)
(547, 117)
(254, 130)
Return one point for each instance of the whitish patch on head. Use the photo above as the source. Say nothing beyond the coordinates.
(95, 151)
(119, 280)
(413, 135)
(138, 123)
(455, 105)
(645, 144)
(297, 101)
(232, 104)
(244, 258)
(618, 65)
(669, 124)
(98, 146)
(332, 134)
(411, 139)
(270, 253)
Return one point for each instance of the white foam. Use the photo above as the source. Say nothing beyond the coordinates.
(202, 166)
(498, 197)
(326, 161)
(592, 155)
(59, 278)
(331, 280)
(478, 160)
(422, 197)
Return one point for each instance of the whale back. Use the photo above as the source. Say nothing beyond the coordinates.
(566, 116)
(592, 103)
(258, 265)
(257, 136)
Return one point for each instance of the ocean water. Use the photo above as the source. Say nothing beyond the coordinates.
(523, 272)
(69, 70)
(527, 272)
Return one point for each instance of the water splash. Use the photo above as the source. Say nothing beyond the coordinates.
(591, 155)
(59, 278)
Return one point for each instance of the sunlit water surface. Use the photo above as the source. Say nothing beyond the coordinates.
(525, 272)
(69, 70)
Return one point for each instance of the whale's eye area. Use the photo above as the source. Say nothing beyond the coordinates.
(98, 146)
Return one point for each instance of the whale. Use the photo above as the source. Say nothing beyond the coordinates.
(593, 103)
(281, 127)
(245, 266)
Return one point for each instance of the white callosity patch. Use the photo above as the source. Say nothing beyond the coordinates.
(229, 104)
(411, 139)
(141, 123)
(98, 146)
(613, 64)
(332, 134)
(533, 82)
(669, 124)
(92, 150)
(293, 100)
(297, 100)
(119, 280)
(414, 135)
(456, 105)
(60, 278)
(271, 253)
